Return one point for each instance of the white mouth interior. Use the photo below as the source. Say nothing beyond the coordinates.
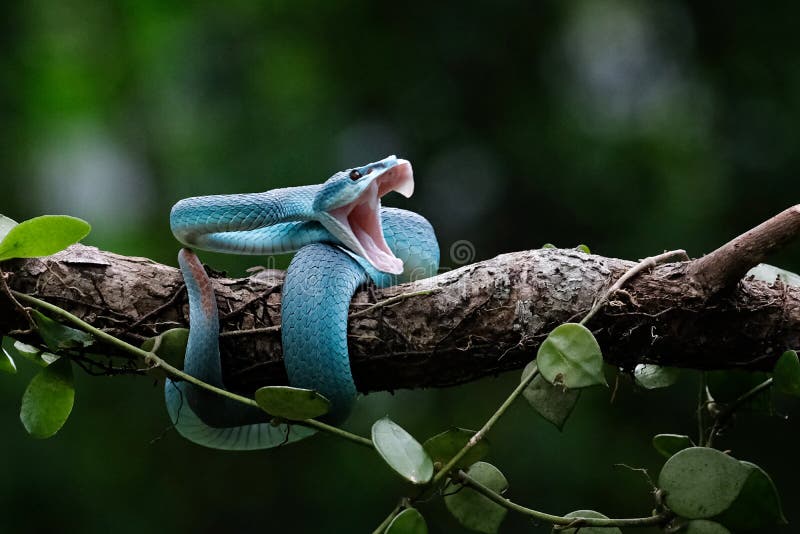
(363, 220)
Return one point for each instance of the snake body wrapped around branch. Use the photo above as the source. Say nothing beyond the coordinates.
(344, 239)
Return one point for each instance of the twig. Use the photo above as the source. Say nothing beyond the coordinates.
(386, 302)
(251, 331)
(642, 471)
(730, 262)
(444, 471)
(160, 308)
(389, 518)
(7, 291)
(391, 301)
(574, 522)
(647, 263)
(730, 409)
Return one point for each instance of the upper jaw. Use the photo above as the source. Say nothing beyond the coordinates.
(357, 223)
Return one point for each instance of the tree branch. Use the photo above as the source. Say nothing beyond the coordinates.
(479, 320)
(729, 263)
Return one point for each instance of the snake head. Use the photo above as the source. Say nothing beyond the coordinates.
(348, 204)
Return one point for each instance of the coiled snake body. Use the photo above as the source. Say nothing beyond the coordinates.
(344, 238)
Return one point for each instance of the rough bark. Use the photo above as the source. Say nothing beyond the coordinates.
(479, 320)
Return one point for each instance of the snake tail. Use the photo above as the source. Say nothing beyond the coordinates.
(202, 416)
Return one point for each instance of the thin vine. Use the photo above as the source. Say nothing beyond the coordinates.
(154, 361)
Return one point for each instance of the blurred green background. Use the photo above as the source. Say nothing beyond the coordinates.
(633, 127)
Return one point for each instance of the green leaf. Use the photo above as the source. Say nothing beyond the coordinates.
(787, 374)
(171, 344)
(401, 451)
(442, 447)
(589, 514)
(58, 336)
(409, 521)
(704, 526)
(583, 248)
(6, 225)
(770, 273)
(651, 376)
(549, 245)
(18, 349)
(570, 356)
(473, 510)
(554, 403)
(700, 482)
(48, 400)
(7, 364)
(670, 444)
(757, 506)
(48, 358)
(42, 236)
(292, 403)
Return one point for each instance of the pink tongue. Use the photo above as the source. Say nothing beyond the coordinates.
(380, 259)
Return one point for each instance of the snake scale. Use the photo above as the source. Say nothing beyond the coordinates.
(343, 238)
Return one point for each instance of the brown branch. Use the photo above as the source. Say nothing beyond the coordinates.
(479, 320)
(729, 263)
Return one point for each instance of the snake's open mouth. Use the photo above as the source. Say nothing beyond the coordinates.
(361, 218)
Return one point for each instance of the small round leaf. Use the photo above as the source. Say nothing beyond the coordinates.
(292, 403)
(401, 451)
(583, 248)
(442, 447)
(554, 403)
(571, 356)
(409, 521)
(651, 376)
(670, 444)
(42, 236)
(757, 506)
(171, 344)
(787, 374)
(48, 400)
(473, 510)
(589, 514)
(701, 482)
(704, 526)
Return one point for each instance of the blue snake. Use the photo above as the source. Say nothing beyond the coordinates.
(343, 238)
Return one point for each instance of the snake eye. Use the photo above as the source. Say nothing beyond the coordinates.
(355, 174)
